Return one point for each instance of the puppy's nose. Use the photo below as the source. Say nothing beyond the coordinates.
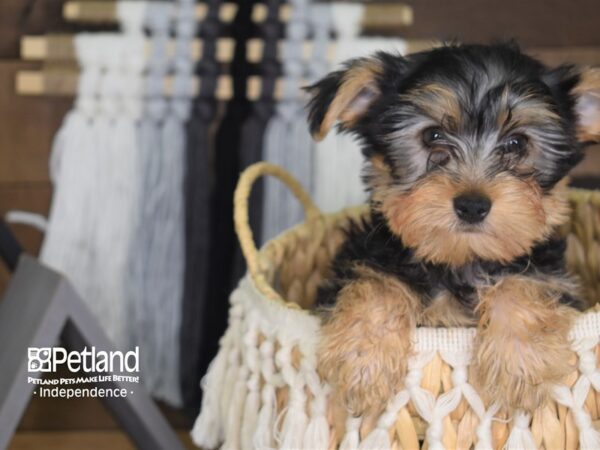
(472, 208)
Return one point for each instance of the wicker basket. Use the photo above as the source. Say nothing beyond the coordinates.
(262, 390)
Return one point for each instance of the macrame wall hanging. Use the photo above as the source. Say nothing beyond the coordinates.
(253, 130)
(156, 300)
(116, 225)
(287, 141)
(338, 158)
(236, 147)
(95, 172)
(198, 185)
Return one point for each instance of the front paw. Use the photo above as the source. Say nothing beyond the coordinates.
(522, 347)
(365, 346)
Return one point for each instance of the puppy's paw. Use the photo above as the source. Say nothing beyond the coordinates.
(366, 342)
(522, 345)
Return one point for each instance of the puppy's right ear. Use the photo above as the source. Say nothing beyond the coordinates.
(344, 96)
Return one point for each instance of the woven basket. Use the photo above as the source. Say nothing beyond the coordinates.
(263, 391)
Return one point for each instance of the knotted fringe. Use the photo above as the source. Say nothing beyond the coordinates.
(208, 431)
(236, 409)
(379, 438)
(249, 422)
(589, 438)
(317, 430)
(520, 437)
(351, 437)
(295, 421)
(252, 361)
(317, 433)
(263, 437)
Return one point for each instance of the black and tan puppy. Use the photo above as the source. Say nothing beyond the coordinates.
(466, 150)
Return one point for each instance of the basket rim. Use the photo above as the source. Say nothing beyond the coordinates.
(575, 195)
(425, 339)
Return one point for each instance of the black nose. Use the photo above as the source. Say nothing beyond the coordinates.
(472, 208)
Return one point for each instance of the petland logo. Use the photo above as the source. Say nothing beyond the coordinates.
(48, 359)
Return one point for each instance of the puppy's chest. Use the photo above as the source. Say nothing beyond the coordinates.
(460, 284)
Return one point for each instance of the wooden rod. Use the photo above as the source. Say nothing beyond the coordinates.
(64, 83)
(106, 11)
(61, 48)
(384, 16)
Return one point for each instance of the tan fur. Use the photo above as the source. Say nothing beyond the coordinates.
(587, 93)
(425, 220)
(438, 101)
(445, 311)
(344, 106)
(522, 342)
(366, 341)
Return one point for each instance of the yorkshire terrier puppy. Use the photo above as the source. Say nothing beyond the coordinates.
(467, 148)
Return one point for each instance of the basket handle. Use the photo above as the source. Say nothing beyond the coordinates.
(240, 206)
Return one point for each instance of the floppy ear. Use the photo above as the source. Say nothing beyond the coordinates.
(587, 105)
(344, 96)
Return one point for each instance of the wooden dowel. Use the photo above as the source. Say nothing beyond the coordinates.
(61, 48)
(62, 83)
(377, 15)
(386, 16)
(106, 11)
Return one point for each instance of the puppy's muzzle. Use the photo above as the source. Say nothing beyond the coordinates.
(472, 207)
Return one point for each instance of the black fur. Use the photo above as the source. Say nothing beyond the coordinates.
(370, 243)
(479, 75)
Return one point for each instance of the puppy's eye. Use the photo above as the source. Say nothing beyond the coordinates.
(432, 135)
(515, 144)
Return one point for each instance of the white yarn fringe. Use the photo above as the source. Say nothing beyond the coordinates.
(240, 408)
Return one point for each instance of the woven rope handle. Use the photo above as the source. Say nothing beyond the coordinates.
(240, 206)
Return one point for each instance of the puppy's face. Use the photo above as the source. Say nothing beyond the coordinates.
(466, 146)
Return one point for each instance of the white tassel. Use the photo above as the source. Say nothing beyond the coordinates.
(249, 422)
(294, 426)
(263, 436)
(589, 438)
(484, 429)
(317, 434)
(317, 431)
(295, 421)
(520, 437)
(351, 437)
(229, 381)
(236, 409)
(208, 429)
(251, 357)
(379, 438)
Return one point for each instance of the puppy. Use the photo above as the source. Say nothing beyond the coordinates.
(467, 148)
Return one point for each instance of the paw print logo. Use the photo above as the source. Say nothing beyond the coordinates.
(39, 359)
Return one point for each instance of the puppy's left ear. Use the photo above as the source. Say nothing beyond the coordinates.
(587, 105)
(344, 96)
